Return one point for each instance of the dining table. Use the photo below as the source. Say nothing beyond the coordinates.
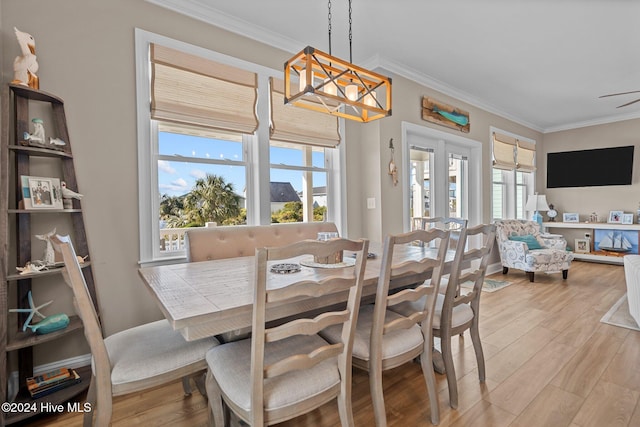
(209, 298)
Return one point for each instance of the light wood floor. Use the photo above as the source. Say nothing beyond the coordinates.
(550, 362)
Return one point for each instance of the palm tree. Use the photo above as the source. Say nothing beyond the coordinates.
(211, 200)
(171, 211)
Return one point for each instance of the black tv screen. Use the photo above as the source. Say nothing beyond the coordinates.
(590, 168)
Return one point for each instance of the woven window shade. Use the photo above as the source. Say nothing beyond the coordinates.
(300, 125)
(504, 152)
(526, 156)
(196, 91)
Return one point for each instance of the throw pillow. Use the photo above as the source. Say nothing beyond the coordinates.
(529, 239)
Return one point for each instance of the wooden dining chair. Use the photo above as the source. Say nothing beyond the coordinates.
(453, 224)
(385, 339)
(132, 360)
(424, 222)
(458, 309)
(287, 370)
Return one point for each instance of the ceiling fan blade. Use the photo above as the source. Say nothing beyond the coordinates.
(621, 93)
(628, 103)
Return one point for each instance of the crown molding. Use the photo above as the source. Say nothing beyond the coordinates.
(594, 122)
(202, 11)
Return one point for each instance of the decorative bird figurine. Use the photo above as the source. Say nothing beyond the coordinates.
(69, 194)
(25, 66)
(38, 132)
(49, 253)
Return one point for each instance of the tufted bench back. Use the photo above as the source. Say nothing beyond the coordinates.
(209, 243)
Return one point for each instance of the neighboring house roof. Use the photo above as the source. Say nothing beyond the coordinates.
(282, 192)
(317, 191)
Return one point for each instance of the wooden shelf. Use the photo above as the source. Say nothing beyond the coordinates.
(607, 259)
(592, 225)
(50, 271)
(35, 94)
(43, 211)
(40, 151)
(59, 397)
(18, 158)
(19, 339)
(595, 256)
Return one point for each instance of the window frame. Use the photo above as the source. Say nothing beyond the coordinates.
(256, 155)
(511, 187)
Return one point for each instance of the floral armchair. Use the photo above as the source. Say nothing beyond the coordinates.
(530, 252)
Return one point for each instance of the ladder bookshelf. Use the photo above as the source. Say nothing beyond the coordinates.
(16, 222)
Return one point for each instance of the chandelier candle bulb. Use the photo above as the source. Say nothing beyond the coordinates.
(370, 99)
(352, 92)
(330, 87)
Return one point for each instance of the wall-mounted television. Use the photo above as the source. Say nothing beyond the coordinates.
(590, 168)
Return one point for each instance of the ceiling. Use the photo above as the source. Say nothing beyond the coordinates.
(541, 63)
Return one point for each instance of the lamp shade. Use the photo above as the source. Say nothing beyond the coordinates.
(537, 202)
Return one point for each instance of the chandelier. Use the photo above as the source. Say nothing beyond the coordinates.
(319, 81)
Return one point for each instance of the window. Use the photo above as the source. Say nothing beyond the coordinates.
(512, 175)
(212, 150)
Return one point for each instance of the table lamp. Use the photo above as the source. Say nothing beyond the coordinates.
(536, 203)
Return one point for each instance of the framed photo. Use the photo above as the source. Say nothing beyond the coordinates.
(41, 193)
(582, 246)
(627, 218)
(570, 217)
(615, 217)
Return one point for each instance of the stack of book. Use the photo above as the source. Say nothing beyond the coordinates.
(47, 383)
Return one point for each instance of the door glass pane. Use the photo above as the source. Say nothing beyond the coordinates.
(420, 182)
(457, 186)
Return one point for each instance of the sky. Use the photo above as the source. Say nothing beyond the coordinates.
(178, 178)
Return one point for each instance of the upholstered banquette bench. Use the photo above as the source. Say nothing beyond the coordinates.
(209, 243)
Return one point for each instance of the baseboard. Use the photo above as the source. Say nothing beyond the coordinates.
(73, 362)
(494, 268)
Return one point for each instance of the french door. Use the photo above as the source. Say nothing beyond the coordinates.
(439, 175)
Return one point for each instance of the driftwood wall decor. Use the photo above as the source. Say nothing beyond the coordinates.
(445, 115)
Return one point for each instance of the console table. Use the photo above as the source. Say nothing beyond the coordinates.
(591, 227)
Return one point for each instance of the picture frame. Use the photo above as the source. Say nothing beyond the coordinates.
(615, 217)
(41, 193)
(627, 218)
(582, 246)
(570, 217)
(616, 242)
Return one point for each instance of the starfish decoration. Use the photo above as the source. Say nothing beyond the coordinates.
(32, 311)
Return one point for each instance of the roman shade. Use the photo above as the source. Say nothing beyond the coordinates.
(504, 147)
(192, 90)
(526, 155)
(300, 125)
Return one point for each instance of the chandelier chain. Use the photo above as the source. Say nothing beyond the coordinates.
(350, 36)
(329, 18)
